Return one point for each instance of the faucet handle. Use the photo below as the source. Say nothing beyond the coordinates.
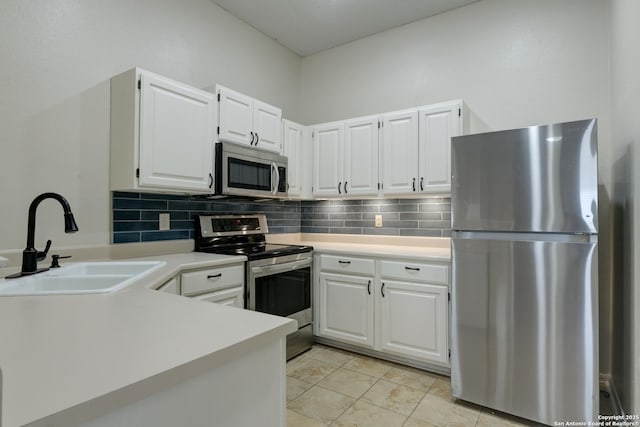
(40, 256)
(55, 258)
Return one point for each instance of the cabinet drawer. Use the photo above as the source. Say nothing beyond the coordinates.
(416, 271)
(198, 282)
(347, 264)
(232, 297)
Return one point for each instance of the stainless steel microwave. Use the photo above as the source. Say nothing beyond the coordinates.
(244, 171)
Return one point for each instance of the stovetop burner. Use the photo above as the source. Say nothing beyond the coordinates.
(240, 235)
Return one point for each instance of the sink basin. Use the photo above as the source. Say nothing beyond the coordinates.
(80, 278)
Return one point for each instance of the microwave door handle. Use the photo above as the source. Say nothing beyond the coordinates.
(276, 183)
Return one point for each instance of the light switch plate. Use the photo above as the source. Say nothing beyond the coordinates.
(165, 221)
(378, 220)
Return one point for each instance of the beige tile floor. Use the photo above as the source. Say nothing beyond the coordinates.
(326, 386)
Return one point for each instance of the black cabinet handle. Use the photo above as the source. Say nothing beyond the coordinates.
(412, 268)
(252, 138)
(214, 276)
(369, 287)
(257, 138)
(339, 188)
(414, 184)
(343, 262)
(210, 180)
(345, 187)
(382, 290)
(421, 183)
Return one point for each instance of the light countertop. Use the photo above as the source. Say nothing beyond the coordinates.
(74, 357)
(416, 248)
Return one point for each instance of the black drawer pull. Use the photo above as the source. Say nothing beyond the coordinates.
(214, 276)
(382, 290)
(412, 268)
(369, 287)
(344, 262)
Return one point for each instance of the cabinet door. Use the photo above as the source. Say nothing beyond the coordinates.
(346, 308)
(292, 148)
(438, 123)
(176, 135)
(267, 124)
(328, 149)
(233, 297)
(400, 152)
(236, 117)
(361, 157)
(413, 320)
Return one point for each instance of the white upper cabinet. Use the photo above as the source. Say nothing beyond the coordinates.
(361, 157)
(438, 123)
(400, 151)
(417, 148)
(328, 148)
(162, 134)
(292, 148)
(245, 120)
(346, 158)
(236, 117)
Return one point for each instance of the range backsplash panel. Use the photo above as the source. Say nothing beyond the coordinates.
(135, 215)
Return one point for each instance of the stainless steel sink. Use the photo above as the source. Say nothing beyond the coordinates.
(80, 278)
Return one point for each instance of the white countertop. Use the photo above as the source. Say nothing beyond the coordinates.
(417, 248)
(73, 357)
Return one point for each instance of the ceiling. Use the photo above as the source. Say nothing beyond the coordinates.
(310, 26)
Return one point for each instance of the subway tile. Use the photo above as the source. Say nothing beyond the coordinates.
(129, 215)
(134, 225)
(385, 217)
(152, 236)
(434, 216)
(126, 237)
(314, 229)
(399, 208)
(446, 233)
(360, 208)
(419, 232)
(346, 216)
(328, 223)
(346, 230)
(434, 207)
(139, 204)
(149, 196)
(125, 195)
(182, 225)
(400, 224)
(180, 215)
(149, 215)
(359, 223)
(434, 224)
(381, 231)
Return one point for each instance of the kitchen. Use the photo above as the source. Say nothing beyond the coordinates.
(568, 60)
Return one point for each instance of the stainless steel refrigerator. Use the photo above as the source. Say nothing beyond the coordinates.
(524, 313)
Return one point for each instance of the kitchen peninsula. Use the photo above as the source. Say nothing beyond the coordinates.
(141, 357)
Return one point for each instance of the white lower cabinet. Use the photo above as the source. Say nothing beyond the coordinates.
(413, 320)
(221, 285)
(346, 306)
(395, 307)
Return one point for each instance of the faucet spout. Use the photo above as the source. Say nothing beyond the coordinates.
(30, 256)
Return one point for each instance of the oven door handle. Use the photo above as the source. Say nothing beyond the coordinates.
(280, 268)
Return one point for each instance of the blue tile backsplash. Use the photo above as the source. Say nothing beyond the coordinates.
(135, 216)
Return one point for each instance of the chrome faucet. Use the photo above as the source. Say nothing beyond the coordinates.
(31, 256)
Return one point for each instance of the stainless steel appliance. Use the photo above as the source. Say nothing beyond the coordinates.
(525, 281)
(244, 171)
(278, 278)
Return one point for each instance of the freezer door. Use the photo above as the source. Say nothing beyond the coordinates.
(525, 327)
(538, 179)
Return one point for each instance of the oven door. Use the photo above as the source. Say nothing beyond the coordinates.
(282, 286)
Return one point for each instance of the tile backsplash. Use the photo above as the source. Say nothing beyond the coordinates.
(135, 215)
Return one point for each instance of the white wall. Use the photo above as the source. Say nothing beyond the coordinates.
(57, 58)
(625, 72)
(514, 62)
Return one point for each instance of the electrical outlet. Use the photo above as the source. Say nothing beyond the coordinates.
(378, 220)
(165, 221)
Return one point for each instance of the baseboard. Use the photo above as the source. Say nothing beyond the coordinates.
(384, 356)
(607, 384)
